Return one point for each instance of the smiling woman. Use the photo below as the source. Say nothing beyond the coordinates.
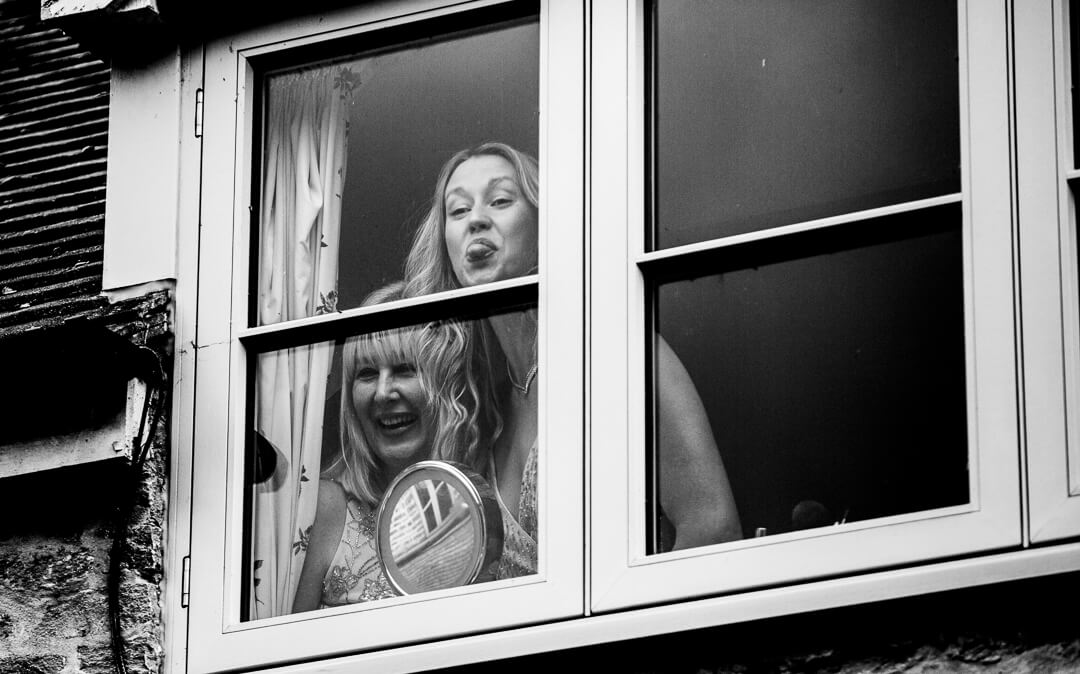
(408, 394)
(399, 394)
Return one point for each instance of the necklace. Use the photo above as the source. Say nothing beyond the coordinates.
(529, 376)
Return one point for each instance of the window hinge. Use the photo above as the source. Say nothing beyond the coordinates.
(185, 582)
(198, 113)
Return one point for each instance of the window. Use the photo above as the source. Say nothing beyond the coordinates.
(1047, 183)
(361, 335)
(854, 340)
(796, 341)
(1070, 252)
(805, 277)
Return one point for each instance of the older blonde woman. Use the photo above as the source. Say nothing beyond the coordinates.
(404, 399)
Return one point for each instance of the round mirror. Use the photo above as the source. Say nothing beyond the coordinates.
(439, 526)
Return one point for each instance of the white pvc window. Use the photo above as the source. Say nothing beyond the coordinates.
(324, 142)
(825, 257)
(1046, 53)
(837, 283)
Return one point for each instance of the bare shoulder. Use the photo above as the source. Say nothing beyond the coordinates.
(331, 496)
(326, 532)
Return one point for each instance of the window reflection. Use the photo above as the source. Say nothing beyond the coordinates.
(833, 379)
(1074, 72)
(773, 112)
(426, 541)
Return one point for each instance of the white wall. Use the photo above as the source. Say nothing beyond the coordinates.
(143, 173)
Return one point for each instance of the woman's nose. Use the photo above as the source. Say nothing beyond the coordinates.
(479, 220)
(386, 386)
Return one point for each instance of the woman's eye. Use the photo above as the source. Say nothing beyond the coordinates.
(367, 374)
(501, 201)
(404, 370)
(457, 211)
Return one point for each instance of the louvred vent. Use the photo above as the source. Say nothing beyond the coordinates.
(54, 117)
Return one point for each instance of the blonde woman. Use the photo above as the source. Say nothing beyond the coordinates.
(483, 227)
(404, 399)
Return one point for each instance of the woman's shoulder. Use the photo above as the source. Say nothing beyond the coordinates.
(331, 488)
(334, 501)
(332, 497)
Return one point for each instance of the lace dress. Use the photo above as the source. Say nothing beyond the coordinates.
(519, 535)
(355, 575)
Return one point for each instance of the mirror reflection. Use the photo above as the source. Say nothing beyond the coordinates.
(439, 527)
(430, 536)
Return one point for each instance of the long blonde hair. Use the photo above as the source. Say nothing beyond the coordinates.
(439, 351)
(427, 268)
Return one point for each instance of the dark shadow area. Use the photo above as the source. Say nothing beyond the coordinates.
(63, 502)
(831, 366)
(976, 626)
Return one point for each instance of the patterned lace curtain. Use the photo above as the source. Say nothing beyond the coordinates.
(299, 227)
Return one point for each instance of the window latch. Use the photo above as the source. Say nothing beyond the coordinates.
(198, 113)
(185, 582)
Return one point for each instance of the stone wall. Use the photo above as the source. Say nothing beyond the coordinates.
(57, 526)
(56, 535)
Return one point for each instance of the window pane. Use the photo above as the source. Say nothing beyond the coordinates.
(1074, 71)
(777, 111)
(352, 151)
(832, 378)
(334, 424)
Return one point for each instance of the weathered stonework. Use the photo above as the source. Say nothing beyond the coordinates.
(53, 584)
(51, 594)
(56, 539)
(57, 526)
(37, 664)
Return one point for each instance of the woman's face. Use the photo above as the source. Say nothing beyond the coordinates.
(393, 412)
(491, 229)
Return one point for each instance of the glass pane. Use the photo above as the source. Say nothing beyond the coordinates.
(351, 162)
(831, 381)
(334, 486)
(1071, 269)
(1074, 72)
(778, 111)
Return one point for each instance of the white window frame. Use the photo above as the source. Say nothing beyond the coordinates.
(592, 561)
(217, 638)
(1047, 183)
(622, 575)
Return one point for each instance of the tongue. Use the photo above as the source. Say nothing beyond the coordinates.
(478, 251)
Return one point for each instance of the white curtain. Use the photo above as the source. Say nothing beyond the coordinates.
(299, 227)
